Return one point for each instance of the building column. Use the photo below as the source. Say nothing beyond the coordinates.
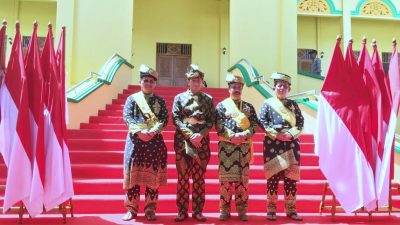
(346, 22)
(224, 41)
(65, 17)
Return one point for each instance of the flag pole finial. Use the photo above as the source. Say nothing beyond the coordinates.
(338, 38)
(17, 25)
(373, 43)
(351, 40)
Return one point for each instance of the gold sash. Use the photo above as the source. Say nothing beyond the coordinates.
(286, 114)
(237, 115)
(151, 118)
(240, 119)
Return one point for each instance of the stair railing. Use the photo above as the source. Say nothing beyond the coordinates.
(95, 80)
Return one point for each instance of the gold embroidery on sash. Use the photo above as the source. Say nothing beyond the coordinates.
(239, 117)
(286, 114)
(151, 118)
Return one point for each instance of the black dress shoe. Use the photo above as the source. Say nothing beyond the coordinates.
(150, 216)
(271, 216)
(181, 217)
(294, 217)
(243, 217)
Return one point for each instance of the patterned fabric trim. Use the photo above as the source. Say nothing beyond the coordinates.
(285, 161)
(145, 177)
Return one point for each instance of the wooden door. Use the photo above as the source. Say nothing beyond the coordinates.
(173, 60)
(165, 67)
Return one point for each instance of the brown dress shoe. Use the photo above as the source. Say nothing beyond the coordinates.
(129, 216)
(199, 217)
(150, 216)
(294, 217)
(181, 217)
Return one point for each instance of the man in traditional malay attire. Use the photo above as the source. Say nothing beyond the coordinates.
(236, 122)
(193, 116)
(145, 157)
(282, 121)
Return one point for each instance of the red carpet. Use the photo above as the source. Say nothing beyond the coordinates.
(96, 151)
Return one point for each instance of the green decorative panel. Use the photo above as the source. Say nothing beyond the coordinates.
(307, 74)
(94, 81)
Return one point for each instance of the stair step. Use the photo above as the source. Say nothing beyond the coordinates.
(116, 157)
(114, 107)
(169, 97)
(103, 126)
(256, 187)
(177, 89)
(121, 134)
(169, 103)
(102, 171)
(115, 144)
(101, 204)
(307, 138)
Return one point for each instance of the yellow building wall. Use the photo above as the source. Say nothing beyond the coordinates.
(224, 41)
(179, 21)
(398, 125)
(98, 32)
(42, 12)
(307, 32)
(9, 11)
(381, 30)
(26, 12)
(65, 17)
(264, 32)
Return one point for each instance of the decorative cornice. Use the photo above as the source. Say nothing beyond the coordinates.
(313, 6)
(376, 8)
(317, 7)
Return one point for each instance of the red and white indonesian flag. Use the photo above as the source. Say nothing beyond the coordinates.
(394, 78)
(375, 96)
(58, 187)
(362, 102)
(15, 137)
(60, 58)
(339, 139)
(388, 124)
(62, 115)
(36, 105)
